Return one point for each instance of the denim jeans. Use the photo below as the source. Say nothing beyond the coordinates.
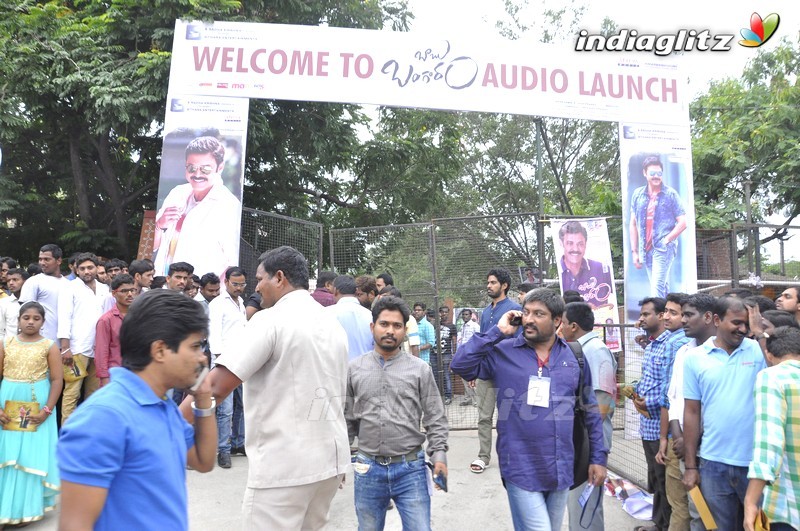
(224, 415)
(237, 429)
(658, 262)
(442, 377)
(723, 487)
(536, 511)
(404, 482)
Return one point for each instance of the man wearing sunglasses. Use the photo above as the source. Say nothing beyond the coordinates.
(199, 221)
(657, 220)
(226, 318)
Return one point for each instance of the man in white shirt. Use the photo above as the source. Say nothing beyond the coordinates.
(354, 318)
(293, 360)
(45, 287)
(80, 305)
(226, 324)
(9, 306)
(209, 290)
(698, 323)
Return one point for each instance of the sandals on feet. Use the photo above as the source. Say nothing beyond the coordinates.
(478, 466)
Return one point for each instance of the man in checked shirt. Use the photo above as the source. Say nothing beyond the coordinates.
(390, 393)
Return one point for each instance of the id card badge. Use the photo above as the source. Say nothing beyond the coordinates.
(539, 391)
(586, 494)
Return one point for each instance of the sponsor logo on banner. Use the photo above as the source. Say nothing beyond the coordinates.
(760, 30)
(222, 85)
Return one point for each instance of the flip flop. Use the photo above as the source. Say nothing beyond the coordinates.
(478, 466)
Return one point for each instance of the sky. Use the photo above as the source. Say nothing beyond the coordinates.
(455, 18)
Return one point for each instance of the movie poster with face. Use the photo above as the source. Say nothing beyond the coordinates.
(198, 218)
(583, 256)
(657, 213)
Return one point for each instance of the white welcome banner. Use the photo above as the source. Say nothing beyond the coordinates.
(311, 63)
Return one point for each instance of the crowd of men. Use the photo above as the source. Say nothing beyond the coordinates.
(352, 374)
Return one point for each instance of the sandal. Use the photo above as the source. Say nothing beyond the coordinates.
(478, 466)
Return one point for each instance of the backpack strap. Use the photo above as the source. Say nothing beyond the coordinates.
(577, 351)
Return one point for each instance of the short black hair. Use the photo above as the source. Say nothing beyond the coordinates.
(502, 275)
(392, 304)
(345, 284)
(421, 305)
(324, 277)
(391, 290)
(785, 340)
(234, 271)
(140, 267)
(659, 303)
(158, 282)
(182, 267)
(581, 314)
(571, 295)
(19, 271)
(548, 297)
(195, 279)
(85, 257)
(387, 279)
(572, 227)
(53, 249)
(206, 144)
(777, 318)
(34, 269)
(676, 298)
(764, 304)
(209, 278)
(742, 293)
(468, 310)
(444, 308)
(159, 314)
(10, 262)
(290, 261)
(525, 287)
(702, 302)
(652, 160)
(725, 304)
(366, 283)
(122, 278)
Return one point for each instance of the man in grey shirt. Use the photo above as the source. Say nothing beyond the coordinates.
(578, 325)
(389, 394)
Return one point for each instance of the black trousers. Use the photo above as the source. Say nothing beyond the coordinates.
(657, 484)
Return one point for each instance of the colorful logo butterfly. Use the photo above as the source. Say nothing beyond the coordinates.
(760, 30)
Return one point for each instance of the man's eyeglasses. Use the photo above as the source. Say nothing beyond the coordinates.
(239, 284)
(655, 173)
(205, 170)
(125, 291)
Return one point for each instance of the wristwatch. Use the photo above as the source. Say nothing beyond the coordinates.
(762, 335)
(200, 413)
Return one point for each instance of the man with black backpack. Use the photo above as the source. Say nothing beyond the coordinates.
(538, 377)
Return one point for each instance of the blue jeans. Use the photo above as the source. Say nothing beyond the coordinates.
(442, 381)
(224, 415)
(237, 431)
(658, 262)
(724, 486)
(536, 511)
(404, 482)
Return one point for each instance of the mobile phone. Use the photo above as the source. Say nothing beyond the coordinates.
(515, 320)
(199, 380)
(441, 480)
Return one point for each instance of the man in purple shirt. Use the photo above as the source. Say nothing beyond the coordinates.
(537, 378)
(323, 293)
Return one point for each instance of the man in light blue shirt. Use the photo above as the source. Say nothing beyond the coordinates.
(354, 318)
(718, 391)
(427, 335)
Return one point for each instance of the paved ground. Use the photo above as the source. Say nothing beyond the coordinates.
(475, 501)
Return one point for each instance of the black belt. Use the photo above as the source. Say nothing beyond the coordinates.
(389, 459)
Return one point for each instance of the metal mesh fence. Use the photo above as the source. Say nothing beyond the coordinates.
(767, 257)
(262, 231)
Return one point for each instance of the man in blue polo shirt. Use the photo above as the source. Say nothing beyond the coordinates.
(498, 282)
(123, 454)
(538, 378)
(718, 391)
